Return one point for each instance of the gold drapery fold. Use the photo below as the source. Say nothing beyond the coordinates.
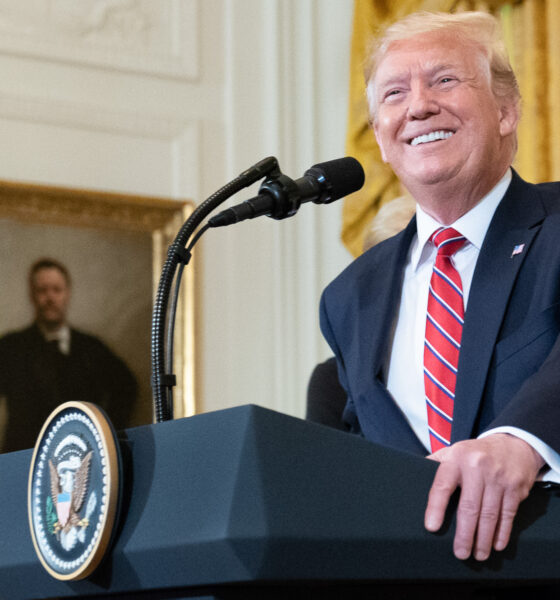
(531, 30)
(531, 33)
(553, 93)
(528, 56)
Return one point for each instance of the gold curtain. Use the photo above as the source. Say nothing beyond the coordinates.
(530, 29)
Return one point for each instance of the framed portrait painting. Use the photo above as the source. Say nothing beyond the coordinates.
(113, 246)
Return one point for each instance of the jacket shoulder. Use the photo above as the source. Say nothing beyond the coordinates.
(18, 336)
(550, 195)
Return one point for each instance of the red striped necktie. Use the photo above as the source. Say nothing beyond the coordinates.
(444, 328)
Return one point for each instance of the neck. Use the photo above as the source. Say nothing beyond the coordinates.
(445, 211)
(48, 327)
(447, 202)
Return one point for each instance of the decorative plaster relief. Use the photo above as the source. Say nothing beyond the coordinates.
(157, 38)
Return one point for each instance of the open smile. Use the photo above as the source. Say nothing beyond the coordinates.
(433, 136)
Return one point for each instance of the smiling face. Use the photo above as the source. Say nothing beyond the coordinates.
(437, 121)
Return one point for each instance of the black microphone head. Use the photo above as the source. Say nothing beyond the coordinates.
(337, 178)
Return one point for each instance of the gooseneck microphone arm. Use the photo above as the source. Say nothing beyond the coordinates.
(163, 382)
(279, 197)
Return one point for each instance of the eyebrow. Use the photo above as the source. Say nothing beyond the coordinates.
(431, 71)
(444, 67)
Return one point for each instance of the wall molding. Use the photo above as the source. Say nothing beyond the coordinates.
(139, 36)
(181, 135)
(88, 116)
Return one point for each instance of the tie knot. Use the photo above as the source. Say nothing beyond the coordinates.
(447, 241)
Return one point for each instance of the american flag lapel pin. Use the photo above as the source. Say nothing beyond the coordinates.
(517, 250)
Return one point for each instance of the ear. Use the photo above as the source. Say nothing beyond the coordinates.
(371, 104)
(31, 293)
(379, 142)
(509, 117)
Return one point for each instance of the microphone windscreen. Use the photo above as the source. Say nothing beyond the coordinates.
(338, 178)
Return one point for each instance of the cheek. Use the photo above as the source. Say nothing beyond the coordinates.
(481, 114)
(383, 125)
(382, 132)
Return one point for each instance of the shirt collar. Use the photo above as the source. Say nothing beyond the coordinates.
(61, 335)
(473, 224)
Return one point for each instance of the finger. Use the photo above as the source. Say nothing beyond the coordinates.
(488, 520)
(445, 483)
(439, 455)
(510, 505)
(468, 512)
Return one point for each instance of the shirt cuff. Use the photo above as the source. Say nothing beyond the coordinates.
(552, 458)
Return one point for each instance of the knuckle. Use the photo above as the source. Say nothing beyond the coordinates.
(477, 460)
(516, 485)
(508, 514)
(489, 514)
(442, 486)
(468, 509)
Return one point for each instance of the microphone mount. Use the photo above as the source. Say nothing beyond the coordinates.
(280, 196)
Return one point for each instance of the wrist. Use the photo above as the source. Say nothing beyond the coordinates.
(539, 461)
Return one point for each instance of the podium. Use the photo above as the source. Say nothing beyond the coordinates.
(249, 503)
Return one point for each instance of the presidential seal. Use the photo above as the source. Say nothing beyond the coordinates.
(74, 490)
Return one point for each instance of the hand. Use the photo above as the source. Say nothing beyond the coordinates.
(495, 474)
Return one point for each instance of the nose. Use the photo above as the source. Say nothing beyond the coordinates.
(422, 102)
(50, 295)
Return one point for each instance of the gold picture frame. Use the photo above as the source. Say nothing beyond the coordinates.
(155, 219)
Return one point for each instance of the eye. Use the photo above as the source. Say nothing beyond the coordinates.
(447, 79)
(392, 95)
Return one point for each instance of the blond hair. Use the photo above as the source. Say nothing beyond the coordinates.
(391, 218)
(476, 27)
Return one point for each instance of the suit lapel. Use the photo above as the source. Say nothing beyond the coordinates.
(380, 418)
(515, 224)
(380, 302)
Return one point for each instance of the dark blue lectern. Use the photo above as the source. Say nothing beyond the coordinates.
(249, 503)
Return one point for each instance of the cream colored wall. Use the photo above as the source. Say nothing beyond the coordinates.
(175, 98)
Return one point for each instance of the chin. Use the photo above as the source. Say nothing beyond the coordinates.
(427, 175)
(52, 323)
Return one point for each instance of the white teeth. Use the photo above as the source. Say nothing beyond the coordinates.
(431, 137)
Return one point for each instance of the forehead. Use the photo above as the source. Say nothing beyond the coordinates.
(49, 276)
(428, 53)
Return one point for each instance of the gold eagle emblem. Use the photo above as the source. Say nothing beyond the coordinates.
(69, 488)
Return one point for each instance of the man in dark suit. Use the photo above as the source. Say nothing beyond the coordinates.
(49, 363)
(444, 104)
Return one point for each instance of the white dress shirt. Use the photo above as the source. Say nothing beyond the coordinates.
(61, 335)
(405, 378)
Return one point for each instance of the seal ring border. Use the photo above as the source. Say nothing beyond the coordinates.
(109, 444)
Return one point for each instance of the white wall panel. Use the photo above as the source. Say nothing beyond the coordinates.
(273, 272)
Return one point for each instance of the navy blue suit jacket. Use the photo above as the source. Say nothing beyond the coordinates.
(509, 365)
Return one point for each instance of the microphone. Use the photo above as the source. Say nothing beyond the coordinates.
(280, 197)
